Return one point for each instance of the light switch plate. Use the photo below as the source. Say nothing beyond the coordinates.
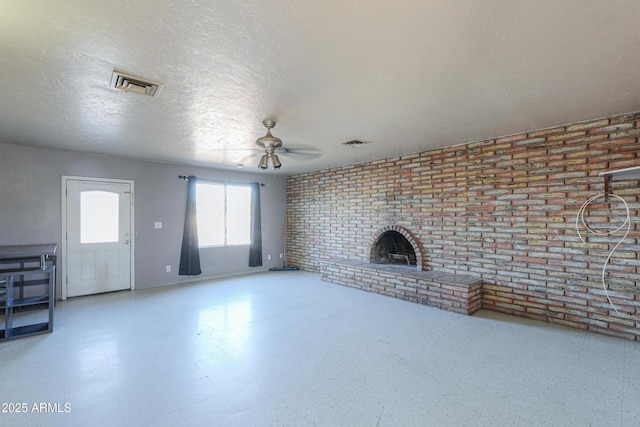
(157, 224)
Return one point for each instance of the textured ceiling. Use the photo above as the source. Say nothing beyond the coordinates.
(406, 76)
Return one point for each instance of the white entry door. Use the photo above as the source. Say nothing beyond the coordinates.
(99, 236)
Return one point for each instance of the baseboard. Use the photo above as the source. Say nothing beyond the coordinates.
(201, 278)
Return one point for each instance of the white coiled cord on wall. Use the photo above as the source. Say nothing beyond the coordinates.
(627, 223)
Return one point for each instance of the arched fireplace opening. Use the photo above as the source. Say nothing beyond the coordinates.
(394, 245)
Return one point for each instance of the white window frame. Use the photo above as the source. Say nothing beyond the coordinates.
(225, 214)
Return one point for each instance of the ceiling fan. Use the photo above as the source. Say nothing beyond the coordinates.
(270, 144)
(270, 148)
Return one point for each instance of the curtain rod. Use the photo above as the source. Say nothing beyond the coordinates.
(219, 181)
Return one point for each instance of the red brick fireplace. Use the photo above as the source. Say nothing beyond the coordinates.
(395, 268)
(395, 245)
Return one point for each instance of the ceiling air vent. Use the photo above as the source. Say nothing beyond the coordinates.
(355, 143)
(129, 83)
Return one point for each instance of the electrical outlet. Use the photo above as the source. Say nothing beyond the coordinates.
(168, 269)
(280, 255)
(157, 225)
(268, 257)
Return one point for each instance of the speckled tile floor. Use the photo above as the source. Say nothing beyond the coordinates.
(286, 349)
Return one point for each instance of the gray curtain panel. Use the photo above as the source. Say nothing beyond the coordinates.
(255, 250)
(190, 254)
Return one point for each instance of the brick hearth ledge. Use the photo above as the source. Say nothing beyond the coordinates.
(453, 292)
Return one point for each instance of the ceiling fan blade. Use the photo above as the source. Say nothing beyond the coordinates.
(251, 158)
(241, 155)
(300, 153)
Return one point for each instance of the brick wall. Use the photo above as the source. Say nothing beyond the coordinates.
(503, 210)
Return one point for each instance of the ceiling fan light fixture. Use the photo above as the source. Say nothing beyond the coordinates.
(276, 161)
(264, 162)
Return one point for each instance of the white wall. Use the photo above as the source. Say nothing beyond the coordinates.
(30, 208)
